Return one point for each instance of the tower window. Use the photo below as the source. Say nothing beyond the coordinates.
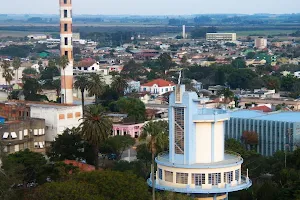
(214, 178)
(182, 178)
(179, 130)
(168, 176)
(228, 177)
(65, 27)
(160, 174)
(66, 53)
(65, 1)
(66, 41)
(198, 179)
(65, 13)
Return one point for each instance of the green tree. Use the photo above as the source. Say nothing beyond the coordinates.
(119, 84)
(135, 109)
(156, 133)
(63, 62)
(30, 163)
(29, 71)
(7, 72)
(228, 95)
(95, 128)
(133, 70)
(31, 87)
(250, 55)
(238, 63)
(66, 190)
(287, 82)
(96, 86)
(272, 82)
(117, 144)
(115, 185)
(165, 62)
(16, 65)
(81, 83)
(70, 146)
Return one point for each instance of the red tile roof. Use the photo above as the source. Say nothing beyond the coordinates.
(262, 108)
(82, 166)
(159, 82)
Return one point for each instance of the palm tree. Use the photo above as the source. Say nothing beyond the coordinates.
(96, 86)
(95, 128)
(119, 84)
(63, 63)
(7, 72)
(16, 64)
(81, 83)
(157, 135)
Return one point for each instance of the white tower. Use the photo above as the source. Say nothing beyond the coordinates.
(183, 32)
(66, 49)
(197, 163)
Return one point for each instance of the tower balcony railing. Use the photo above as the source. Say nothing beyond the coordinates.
(230, 157)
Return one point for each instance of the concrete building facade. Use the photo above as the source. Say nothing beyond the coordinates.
(277, 131)
(261, 43)
(230, 37)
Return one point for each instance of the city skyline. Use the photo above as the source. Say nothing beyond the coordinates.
(155, 7)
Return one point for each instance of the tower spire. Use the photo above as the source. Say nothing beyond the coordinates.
(66, 49)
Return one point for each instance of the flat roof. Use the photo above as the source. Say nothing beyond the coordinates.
(283, 116)
(41, 104)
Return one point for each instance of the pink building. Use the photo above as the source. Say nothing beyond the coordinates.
(134, 130)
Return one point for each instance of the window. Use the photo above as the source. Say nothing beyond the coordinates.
(65, 1)
(5, 135)
(198, 179)
(160, 174)
(237, 175)
(168, 176)
(65, 27)
(182, 178)
(13, 135)
(65, 13)
(66, 41)
(228, 177)
(214, 178)
(179, 130)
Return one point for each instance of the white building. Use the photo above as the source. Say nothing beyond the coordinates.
(95, 68)
(37, 37)
(261, 43)
(297, 74)
(158, 86)
(58, 117)
(231, 37)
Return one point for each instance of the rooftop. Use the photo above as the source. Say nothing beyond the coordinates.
(40, 104)
(159, 82)
(271, 116)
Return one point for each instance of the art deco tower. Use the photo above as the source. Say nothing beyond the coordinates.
(197, 163)
(66, 49)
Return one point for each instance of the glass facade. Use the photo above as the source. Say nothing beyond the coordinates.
(179, 130)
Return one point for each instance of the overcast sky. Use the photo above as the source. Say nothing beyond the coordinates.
(152, 7)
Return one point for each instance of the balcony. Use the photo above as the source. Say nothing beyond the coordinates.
(230, 159)
(207, 189)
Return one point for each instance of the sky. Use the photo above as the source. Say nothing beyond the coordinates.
(152, 7)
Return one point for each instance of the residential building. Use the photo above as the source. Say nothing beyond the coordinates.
(158, 86)
(134, 130)
(18, 131)
(133, 86)
(231, 37)
(58, 117)
(215, 89)
(277, 131)
(196, 163)
(297, 74)
(261, 43)
(261, 93)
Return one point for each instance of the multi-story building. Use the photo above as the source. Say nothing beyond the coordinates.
(19, 131)
(276, 131)
(261, 43)
(231, 37)
(197, 163)
(58, 117)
